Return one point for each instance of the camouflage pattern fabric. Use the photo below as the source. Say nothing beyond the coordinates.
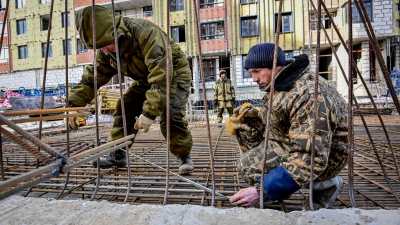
(224, 90)
(221, 107)
(291, 129)
(250, 139)
(142, 47)
(249, 165)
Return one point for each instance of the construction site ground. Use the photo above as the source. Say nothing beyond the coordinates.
(187, 204)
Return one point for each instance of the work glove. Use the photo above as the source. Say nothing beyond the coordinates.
(143, 122)
(233, 100)
(73, 122)
(247, 197)
(246, 110)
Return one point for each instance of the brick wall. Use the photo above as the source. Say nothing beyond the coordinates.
(84, 58)
(33, 78)
(383, 20)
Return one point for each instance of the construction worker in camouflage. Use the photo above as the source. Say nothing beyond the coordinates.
(224, 95)
(142, 47)
(287, 165)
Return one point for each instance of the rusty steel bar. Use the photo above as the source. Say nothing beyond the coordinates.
(316, 105)
(46, 59)
(66, 88)
(4, 24)
(122, 98)
(350, 133)
(34, 140)
(168, 78)
(361, 116)
(46, 118)
(25, 146)
(196, 16)
(366, 88)
(102, 147)
(183, 178)
(1, 158)
(375, 46)
(43, 111)
(95, 96)
(271, 95)
(376, 49)
(26, 176)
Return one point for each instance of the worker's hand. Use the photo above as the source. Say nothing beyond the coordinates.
(73, 122)
(143, 122)
(247, 197)
(242, 126)
(246, 110)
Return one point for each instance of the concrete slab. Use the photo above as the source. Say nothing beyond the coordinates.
(19, 210)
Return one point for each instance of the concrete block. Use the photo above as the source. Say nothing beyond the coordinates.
(378, 7)
(386, 11)
(388, 6)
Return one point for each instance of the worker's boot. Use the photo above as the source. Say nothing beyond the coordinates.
(185, 165)
(325, 193)
(219, 119)
(117, 158)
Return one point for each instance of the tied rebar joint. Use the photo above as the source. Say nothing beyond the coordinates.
(60, 161)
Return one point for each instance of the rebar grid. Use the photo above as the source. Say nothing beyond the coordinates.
(148, 182)
(363, 172)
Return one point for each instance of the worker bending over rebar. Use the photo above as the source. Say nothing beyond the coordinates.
(142, 47)
(288, 163)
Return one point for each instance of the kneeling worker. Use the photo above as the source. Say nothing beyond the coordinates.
(288, 166)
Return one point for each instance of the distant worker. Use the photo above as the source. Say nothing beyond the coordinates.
(142, 47)
(394, 76)
(224, 95)
(287, 167)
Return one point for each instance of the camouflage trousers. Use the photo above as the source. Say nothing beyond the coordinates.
(181, 138)
(250, 164)
(221, 107)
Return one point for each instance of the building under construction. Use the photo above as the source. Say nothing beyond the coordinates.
(61, 169)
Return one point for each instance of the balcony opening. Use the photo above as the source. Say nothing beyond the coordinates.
(21, 26)
(249, 26)
(20, 4)
(178, 34)
(69, 47)
(148, 11)
(209, 69)
(3, 4)
(214, 30)
(44, 22)
(325, 64)
(4, 54)
(81, 47)
(324, 20)
(22, 52)
(176, 5)
(44, 1)
(44, 46)
(63, 20)
(287, 22)
(211, 3)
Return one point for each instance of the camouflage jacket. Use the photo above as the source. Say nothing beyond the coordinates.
(224, 90)
(292, 118)
(142, 47)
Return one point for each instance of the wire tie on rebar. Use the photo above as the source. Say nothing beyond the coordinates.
(60, 161)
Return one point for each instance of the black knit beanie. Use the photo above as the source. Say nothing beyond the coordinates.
(262, 56)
